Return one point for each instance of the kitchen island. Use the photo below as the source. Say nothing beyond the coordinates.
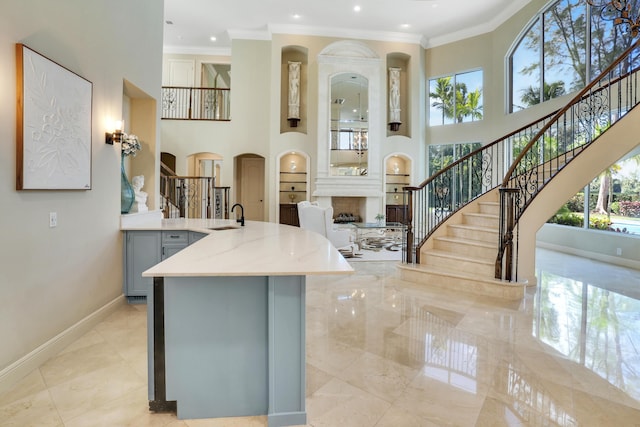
(226, 320)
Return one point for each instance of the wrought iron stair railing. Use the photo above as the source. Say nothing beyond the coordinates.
(192, 196)
(459, 183)
(588, 115)
(447, 191)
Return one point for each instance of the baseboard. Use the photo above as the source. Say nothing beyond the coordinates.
(622, 262)
(15, 372)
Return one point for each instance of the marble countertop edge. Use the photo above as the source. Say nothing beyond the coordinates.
(257, 249)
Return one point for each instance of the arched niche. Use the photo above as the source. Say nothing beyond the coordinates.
(292, 184)
(353, 57)
(398, 174)
(401, 62)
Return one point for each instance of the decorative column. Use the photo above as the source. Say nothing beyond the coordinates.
(294, 94)
(394, 99)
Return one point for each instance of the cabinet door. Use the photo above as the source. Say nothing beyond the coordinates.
(171, 249)
(142, 251)
(194, 236)
(397, 213)
(289, 214)
(173, 242)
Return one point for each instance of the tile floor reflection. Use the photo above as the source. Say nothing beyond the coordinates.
(387, 353)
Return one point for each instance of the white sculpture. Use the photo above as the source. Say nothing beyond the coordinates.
(294, 93)
(140, 202)
(394, 98)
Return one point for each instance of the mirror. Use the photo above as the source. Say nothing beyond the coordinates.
(349, 125)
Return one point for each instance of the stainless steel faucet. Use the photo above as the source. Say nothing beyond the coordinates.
(241, 220)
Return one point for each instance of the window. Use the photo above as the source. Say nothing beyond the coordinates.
(461, 182)
(442, 155)
(551, 56)
(455, 99)
(611, 202)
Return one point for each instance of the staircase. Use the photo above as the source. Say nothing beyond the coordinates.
(473, 224)
(461, 256)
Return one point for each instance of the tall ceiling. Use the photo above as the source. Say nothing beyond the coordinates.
(190, 24)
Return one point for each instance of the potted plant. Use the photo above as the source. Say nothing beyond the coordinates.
(380, 218)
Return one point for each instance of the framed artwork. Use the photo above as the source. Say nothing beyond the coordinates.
(53, 125)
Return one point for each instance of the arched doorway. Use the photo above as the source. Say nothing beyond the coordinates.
(206, 165)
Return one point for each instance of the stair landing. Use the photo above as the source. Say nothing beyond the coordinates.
(461, 282)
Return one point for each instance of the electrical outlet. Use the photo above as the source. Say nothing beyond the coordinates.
(53, 219)
(618, 251)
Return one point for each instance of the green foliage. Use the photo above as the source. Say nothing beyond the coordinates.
(531, 95)
(565, 217)
(456, 103)
(576, 203)
(599, 223)
(615, 208)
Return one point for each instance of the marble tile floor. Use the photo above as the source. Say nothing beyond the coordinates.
(387, 353)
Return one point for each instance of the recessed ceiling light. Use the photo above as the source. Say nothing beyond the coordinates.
(296, 16)
(213, 38)
(406, 25)
(357, 8)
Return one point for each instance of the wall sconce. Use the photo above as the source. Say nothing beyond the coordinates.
(117, 135)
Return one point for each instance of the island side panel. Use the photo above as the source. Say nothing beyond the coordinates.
(287, 351)
(216, 345)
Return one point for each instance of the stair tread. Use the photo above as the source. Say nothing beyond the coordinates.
(472, 242)
(474, 227)
(482, 215)
(451, 255)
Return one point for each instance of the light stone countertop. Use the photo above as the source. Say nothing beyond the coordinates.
(257, 249)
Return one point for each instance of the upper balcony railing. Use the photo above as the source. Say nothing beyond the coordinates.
(195, 103)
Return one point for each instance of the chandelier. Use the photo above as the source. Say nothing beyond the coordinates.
(619, 11)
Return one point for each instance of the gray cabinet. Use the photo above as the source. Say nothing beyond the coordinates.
(173, 242)
(194, 236)
(143, 250)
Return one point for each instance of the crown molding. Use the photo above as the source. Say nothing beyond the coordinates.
(191, 50)
(477, 30)
(388, 36)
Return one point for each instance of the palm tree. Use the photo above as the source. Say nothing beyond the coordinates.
(531, 95)
(442, 97)
(461, 102)
(473, 105)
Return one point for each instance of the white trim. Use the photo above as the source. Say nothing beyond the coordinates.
(484, 28)
(249, 35)
(22, 367)
(191, 50)
(304, 30)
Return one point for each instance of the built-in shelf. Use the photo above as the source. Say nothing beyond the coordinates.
(292, 185)
(395, 179)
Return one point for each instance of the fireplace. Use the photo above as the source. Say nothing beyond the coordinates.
(348, 209)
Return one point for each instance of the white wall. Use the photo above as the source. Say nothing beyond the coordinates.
(50, 278)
